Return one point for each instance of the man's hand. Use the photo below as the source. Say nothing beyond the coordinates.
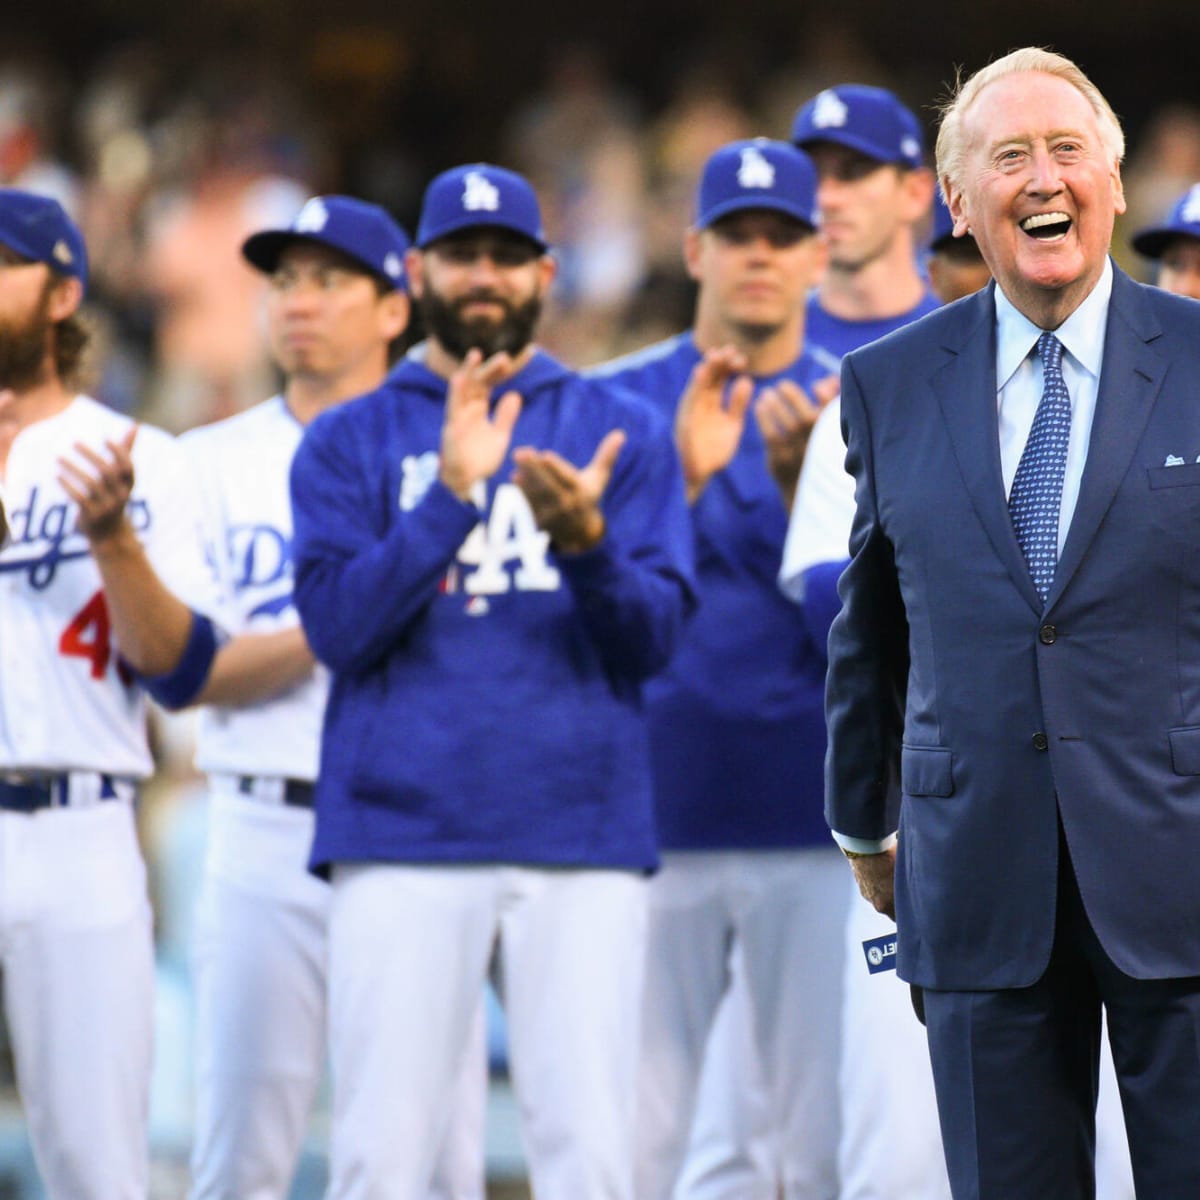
(566, 499)
(101, 485)
(786, 416)
(475, 442)
(709, 423)
(876, 878)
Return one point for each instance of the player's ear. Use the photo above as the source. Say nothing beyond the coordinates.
(918, 188)
(691, 252)
(547, 269)
(395, 309)
(414, 272)
(66, 295)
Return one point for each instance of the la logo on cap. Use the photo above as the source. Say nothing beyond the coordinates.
(830, 111)
(479, 193)
(1191, 206)
(62, 252)
(755, 171)
(312, 218)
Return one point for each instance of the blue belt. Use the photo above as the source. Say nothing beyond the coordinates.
(44, 791)
(297, 793)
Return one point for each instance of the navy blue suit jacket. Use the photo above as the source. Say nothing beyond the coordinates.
(959, 707)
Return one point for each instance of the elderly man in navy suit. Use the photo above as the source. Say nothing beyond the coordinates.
(1014, 679)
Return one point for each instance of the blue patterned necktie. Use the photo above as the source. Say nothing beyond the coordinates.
(1036, 495)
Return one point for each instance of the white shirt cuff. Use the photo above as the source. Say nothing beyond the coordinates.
(864, 845)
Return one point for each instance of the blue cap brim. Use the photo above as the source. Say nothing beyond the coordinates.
(741, 204)
(1152, 243)
(263, 250)
(844, 137)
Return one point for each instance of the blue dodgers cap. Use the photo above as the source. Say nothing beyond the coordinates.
(364, 232)
(1182, 221)
(870, 120)
(480, 196)
(758, 173)
(38, 228)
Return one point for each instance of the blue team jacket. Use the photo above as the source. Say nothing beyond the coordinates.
(737, 720)
(486, 703)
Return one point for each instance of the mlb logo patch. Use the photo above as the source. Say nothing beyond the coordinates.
(830, 111)
(479, 193)
(312, 218)
(755, 171)
(1191, 206)
(880, 953)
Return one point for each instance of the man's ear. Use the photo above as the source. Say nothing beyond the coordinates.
(65, 298)
(957, 207)
(691, 252)
(395, 309)
(918, 188)
(414, 272)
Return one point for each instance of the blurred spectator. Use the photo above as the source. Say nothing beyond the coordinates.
(1164, 162)
(237, 175)
(1174, 243)
(26, 156)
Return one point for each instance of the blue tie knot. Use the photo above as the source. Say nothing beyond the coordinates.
(1050, 351)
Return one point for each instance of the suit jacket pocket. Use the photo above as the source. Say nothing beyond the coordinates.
(927, 771)
(1180, 475)
(1185, 750)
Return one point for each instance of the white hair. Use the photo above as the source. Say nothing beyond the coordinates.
(950, 149)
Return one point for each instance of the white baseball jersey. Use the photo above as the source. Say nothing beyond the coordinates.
(243, 464)
(823, 510)
(67, 702)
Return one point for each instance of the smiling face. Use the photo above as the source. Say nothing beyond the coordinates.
(1039, 191)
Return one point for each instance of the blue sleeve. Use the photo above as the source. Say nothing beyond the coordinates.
(866, 683)
(821, 603)
(178, 687)
(635, 589)
(359, 584)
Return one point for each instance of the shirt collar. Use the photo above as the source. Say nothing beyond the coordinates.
(1082, 333)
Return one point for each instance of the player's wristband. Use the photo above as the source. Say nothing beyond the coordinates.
(179, 687)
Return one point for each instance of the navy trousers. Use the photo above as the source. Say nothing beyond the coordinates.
(1016, 1073)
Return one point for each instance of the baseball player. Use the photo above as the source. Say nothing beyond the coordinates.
(103, 559)
(1175, 245)
(492, 555)
(337, 299)
(737, 719)
(955, 266)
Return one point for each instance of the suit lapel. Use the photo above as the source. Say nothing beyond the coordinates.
(966, 389)
(1130, 377)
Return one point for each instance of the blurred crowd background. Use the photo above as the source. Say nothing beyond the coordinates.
(171, 135)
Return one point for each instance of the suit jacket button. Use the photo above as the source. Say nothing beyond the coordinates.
(1040, 741)
(1047, 635)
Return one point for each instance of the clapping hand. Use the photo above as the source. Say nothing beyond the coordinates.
(474, 439)
(786, 415)
(565, 499)
(711, 416)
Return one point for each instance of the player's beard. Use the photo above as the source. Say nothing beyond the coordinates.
(511, 334)
(23, 346)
